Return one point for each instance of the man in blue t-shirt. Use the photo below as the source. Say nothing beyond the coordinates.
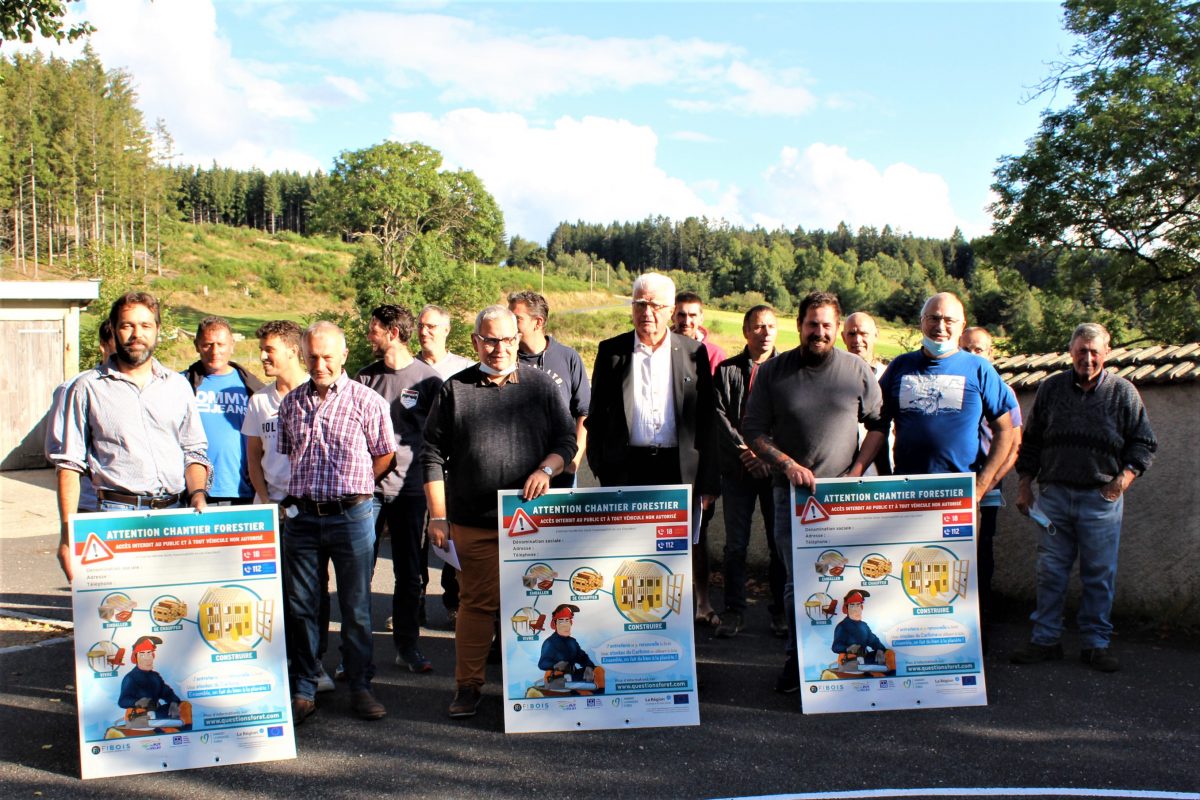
(223, 389)
(936, 396)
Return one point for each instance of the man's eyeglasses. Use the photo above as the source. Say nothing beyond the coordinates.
(642, 305)
(938, 319)
(491, 342)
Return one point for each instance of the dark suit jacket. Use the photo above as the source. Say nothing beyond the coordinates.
(611, 413)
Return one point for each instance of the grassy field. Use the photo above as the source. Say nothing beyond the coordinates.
(250, 277)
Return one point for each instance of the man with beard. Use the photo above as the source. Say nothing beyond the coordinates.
(408, 386)
(133, 425)
(802, 419)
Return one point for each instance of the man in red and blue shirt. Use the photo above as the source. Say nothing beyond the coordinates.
(338, 434)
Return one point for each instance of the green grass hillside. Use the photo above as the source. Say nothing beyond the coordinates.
(250, 277)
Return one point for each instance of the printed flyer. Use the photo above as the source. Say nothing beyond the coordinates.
(887, 608)
(179, 644)
(596, 609)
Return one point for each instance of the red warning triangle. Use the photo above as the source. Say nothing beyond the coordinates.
(813, 512)
(521, 524)
(94, 549)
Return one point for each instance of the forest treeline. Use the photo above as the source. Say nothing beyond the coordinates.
(81, 171)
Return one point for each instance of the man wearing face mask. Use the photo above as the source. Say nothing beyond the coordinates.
(936, 396)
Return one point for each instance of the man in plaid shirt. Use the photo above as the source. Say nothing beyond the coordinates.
(338, 435)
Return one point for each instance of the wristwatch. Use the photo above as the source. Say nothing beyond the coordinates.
(549, 471)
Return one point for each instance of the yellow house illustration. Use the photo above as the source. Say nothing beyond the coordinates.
(230, 617)
(932, 576)
(643, 589)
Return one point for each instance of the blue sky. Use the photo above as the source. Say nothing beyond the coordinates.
(774, 114)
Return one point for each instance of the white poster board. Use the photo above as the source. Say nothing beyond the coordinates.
(201, 594)
(886, 593)
(619, 561)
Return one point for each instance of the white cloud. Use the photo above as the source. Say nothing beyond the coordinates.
(348, 87)
(823, 185)
(236, 111)
(591, 168)
(469, 61)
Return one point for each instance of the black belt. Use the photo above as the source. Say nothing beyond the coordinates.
(141, 500)
(652, 451)
(325, 508)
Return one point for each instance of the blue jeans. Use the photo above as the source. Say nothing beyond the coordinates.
(783, 546)
(739, 498)
(348, 540)
(1089, 526)
(404, 517)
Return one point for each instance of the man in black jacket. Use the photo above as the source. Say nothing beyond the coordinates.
(745, 478)
(651, 417)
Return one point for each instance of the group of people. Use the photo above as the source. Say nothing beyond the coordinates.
(418, 443)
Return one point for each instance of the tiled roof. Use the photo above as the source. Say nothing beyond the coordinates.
(1141, 365)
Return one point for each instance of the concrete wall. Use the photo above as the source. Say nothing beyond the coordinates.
(1159, 564)
(1160, 542)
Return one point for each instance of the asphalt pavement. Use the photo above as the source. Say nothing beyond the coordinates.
(1058, 726)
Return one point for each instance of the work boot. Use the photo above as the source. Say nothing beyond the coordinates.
(465, 702)
(730, 625)
(1034, 653)
(789, 679)
(1100, 659)
(302, 709)
(366, 706)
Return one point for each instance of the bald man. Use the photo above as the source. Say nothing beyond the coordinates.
(859, 334)
(937, 397)
(978, 341)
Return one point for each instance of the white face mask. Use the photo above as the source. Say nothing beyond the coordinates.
(938, 349)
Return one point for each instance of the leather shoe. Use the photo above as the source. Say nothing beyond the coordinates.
(366, 706)
(302, 709)
(465, 702)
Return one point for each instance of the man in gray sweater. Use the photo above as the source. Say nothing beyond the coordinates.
(493, 426)
(1087, 439)
(802, 419)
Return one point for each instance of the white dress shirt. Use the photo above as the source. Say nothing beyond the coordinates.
(653, 402)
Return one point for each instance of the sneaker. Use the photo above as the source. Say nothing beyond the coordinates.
(465, 702)
(302, 709)
(339, 672)
(1034, 653)
(779, 625)
(414, 659)
(789, 679)
(366, 706)
(1099, 658)
(324, 682)
(730, 625)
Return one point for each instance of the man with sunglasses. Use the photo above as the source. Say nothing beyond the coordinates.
(495, 425)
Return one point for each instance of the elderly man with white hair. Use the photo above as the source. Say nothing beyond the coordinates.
(652, 418)
(338, 436)
(1087, 439)
(493, 426)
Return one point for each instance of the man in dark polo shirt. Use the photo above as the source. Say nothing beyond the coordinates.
(408, 386)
